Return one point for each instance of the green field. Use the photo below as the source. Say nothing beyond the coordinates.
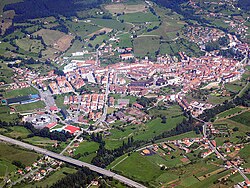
(18, 132)
(5, 114)
(173, 110)
(77, 46)
(81, 28)
(138, 17)
(30, 106)
(86, 146)
(235, 137)
(155, 127)
(5, 72)
(20, 92)
(147, 169)
(49, 36)
(110, 23)
(244, 153)
(40, 141)
(217, 99)
(229, 112)
(5, 47)
(139, 167)
(146, 46)
(11, 153)
(124, 41)
(243, 118)
(27, 44)
(234, 87)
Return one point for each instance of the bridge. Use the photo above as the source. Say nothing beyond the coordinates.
(72, 161)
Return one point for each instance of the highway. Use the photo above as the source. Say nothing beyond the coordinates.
(72, 161)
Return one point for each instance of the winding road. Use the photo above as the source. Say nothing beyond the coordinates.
(72, 161)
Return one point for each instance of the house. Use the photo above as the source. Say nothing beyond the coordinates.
(71, 129)
(126, 56)
(138, 106)
(53, 109)
(51, 125)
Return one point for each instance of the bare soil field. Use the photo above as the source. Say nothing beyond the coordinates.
(55, 39)
(120, 8)
(6, 20)
(50, 37)
(63, 43)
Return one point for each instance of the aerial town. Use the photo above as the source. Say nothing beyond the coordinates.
(138, 94)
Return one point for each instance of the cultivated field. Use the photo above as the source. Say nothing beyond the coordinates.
(56, 39)
(125, 8)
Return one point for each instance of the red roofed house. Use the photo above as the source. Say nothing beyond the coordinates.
(51, 125)
(72, 129)
(138, 105)
(53, 109)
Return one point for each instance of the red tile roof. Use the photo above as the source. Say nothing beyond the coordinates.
(71, 129)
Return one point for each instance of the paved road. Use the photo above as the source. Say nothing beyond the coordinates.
(218, 153)
(65, 149)
(75, 162)
(105, 109)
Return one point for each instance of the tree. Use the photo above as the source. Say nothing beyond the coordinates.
(235, 129)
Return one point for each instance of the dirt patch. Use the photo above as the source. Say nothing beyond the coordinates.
(55, 39)
(123, 8)
(6, 20)
(63, 43)
(184, 160)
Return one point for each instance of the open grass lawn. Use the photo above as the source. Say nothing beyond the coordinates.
(88, 158)
(168, 112)
(30, 45)
(125, 41)
(40, 141)
(245, 154)
(4, 46)
(155, 127)
(6, 167)
(20, 92)
(243, 118)
(81, 28)
(30, 106)
(5, 71)
(5, 114)
(234, 87)
(99, 40)
(230, 112)
(18, 132)
(146, 46)
(110, 23)
(87, 146)
(113, 144)
(11, 153)
(217, 99)
(53, 178)
(139, 168)
(77, 46)
(138, 17)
